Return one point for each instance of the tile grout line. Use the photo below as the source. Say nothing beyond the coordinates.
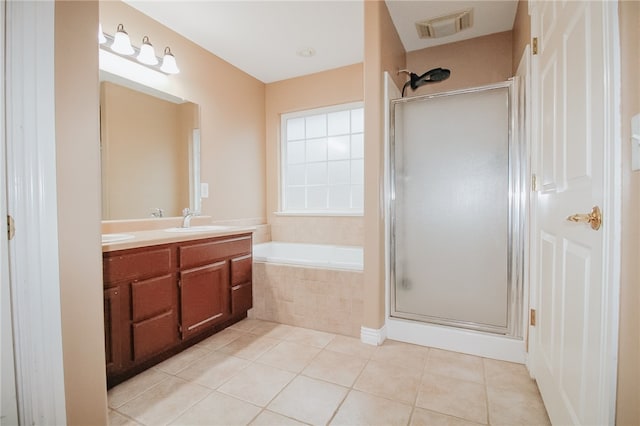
(125, 416)
(351, 388)
(190, 406)
(486, 390)
(139, 393)
(255, 361)
(415, 400)
(297, 374)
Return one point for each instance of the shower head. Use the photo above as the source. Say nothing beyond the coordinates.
(432, 76)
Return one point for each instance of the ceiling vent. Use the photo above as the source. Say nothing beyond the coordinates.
(445, 25)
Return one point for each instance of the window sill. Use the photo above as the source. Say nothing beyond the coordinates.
(320, 214)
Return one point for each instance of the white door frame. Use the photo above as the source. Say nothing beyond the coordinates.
(32, 202)
(8, 393)
(612, 205)
(523, 74)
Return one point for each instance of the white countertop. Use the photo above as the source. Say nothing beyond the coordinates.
(161, 236)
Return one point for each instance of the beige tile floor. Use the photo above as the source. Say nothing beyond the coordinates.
(263, 373)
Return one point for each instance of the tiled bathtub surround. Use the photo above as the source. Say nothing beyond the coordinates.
(262, 373)
(321, 299)
(338, 230)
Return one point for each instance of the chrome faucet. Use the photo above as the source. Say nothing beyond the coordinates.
(157, 212)
(187, 214)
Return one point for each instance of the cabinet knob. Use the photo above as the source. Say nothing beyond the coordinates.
(115, 293)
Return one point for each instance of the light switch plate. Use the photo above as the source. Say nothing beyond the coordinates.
(204, 190)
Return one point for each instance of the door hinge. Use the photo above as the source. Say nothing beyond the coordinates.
(179, 328)
(532, 317)
(179, 283)
(534, 183)
(11, 227)
(534, 45)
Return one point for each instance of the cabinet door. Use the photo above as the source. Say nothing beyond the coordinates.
(204, 299)
(112, 329)
(153, 335)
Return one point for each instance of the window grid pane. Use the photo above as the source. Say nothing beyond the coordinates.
(323, 160)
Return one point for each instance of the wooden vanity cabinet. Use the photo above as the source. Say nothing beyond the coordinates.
(140, 305)
(161, 299)
(112, 329)
(206, 287)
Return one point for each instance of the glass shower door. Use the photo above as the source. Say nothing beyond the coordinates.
(451, 209)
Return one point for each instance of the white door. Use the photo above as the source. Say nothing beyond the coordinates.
(573, 357)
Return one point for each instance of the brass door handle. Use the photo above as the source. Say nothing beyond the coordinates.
(594, 218)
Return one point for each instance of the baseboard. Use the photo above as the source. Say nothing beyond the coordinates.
(456, 339)
(372, 336)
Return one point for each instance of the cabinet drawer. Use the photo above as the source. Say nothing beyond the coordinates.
(207, 252)
(241, 269)
(152, 297)
(241, 298)
(131, 266)
(154, 335)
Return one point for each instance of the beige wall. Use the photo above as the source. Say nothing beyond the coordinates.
(232, 112)
(383, 51)
(474, 62)
(333, 87)
(521, 33)
(628, 404)
(145, 153)
(78, 187)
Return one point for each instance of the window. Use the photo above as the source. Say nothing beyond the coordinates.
(323, 160)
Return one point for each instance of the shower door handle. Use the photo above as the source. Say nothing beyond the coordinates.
(594, 218)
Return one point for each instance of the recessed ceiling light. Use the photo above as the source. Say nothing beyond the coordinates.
(306, 52)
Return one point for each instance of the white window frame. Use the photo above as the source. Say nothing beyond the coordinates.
(283, 163)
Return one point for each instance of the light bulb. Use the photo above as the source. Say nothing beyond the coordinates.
(147, 55)
(121, 42)
(169, 62)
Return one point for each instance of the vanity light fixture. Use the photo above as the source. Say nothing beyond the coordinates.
(121, 42)
(121, 45)
(147, 55)
(169, 62)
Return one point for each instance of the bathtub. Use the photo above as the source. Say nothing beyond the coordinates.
(315, 286)
(311, 255)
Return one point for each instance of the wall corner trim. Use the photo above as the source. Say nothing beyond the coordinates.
(372, 336)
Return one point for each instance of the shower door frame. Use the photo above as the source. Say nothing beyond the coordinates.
(516, 219)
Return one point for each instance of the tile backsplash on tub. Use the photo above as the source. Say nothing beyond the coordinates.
(321, 299)
(339, 230)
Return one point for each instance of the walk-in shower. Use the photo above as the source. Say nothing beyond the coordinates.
(456, 210)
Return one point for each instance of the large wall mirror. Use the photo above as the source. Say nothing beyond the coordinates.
(150, 146)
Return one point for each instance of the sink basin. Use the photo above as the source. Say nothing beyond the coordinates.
(202, 228)
(112, 238)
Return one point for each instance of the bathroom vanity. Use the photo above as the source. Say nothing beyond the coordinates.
(162, 298)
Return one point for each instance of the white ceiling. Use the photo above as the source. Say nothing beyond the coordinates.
(262, 37)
